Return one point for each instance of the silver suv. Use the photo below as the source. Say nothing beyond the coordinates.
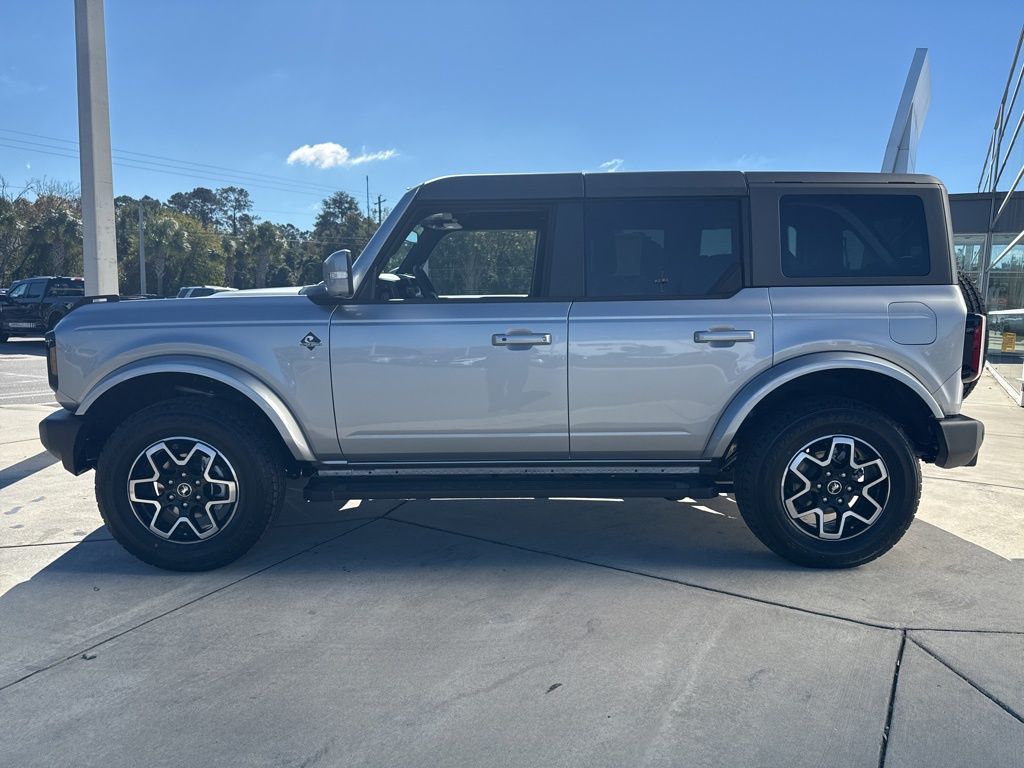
(799, 340)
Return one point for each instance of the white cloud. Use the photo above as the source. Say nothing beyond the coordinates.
(332, 155)
(613, 165)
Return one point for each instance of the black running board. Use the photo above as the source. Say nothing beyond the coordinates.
(509, 485)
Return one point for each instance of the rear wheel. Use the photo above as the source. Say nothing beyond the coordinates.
(828, 484)
(189, 484)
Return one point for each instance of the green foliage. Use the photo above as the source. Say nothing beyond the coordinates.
(340, 224)
(469, 263)
(198, 237)
(40, 231)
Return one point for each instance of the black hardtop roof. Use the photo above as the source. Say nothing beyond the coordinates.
(522, 186)
(49, 277)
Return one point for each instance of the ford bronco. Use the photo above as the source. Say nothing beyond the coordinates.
(797, 339)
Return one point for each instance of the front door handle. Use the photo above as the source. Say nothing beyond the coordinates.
(517, 339)
(722, 337)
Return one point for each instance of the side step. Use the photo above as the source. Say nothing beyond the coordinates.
(322, 488)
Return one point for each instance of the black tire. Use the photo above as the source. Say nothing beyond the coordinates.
(764, 455)
(53, 319)
(975, 305)
(248, 458)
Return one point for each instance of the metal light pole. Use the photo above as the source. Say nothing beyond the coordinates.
(142, 249)
(100, 251)
(901, 150)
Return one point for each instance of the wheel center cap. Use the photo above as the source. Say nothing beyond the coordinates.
(834, 487)
(185, 490)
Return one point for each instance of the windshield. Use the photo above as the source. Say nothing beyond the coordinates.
(365, 260)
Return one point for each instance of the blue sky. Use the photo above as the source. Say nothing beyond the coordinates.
(423, 89)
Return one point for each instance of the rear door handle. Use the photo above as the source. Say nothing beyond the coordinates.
(520, 339)
(722, 337)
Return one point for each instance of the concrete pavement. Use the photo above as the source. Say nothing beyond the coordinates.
(23, 373)
(515, 632)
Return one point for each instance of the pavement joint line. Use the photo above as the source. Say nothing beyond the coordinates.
(884, 746)
(326, 522)
(54, 543)
(973, 482)
(990, 696)
(399, 504)
(186, 604)
(667, 579)
(706, 588)
(1013, 632)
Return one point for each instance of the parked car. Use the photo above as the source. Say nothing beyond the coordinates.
(194, 291)
(33, 306)
(1007, 321)
(797, 339)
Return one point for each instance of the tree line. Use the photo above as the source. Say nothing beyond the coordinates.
(200, 237)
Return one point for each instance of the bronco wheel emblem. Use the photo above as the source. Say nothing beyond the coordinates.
(310, 341)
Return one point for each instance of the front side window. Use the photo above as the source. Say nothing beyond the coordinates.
(35, 289)
(465, 255)
(873, 236)
(679, 248)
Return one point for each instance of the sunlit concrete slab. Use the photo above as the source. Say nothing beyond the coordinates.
(999, 462)
(395, 645)
(988, 516)
(47, 506)
(940, 720)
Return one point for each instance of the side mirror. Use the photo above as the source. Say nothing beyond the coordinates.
(338, 274)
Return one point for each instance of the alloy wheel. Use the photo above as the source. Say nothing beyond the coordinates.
(183, 490)
(835, 487)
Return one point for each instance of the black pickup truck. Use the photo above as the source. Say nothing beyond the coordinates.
(31, 307)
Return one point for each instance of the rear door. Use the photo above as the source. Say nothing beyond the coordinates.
(458, 353)
(667, 334)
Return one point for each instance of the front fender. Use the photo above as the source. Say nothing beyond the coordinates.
(245, 383)
(768, 381)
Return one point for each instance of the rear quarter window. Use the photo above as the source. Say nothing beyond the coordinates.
(854, 236)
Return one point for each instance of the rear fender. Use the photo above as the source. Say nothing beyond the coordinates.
(763, 385)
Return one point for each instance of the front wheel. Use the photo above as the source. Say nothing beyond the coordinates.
(828, 484)
(189, 484)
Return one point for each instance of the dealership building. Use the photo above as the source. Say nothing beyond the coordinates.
(971, 215)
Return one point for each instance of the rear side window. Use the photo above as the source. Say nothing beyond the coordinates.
(879, 236)
(67, 288)
(680, 248)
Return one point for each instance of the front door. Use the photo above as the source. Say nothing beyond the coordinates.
(666, 335)
(455, 354)
(21, 310)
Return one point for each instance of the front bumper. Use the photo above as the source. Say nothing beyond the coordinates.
(61, 434)
(960, 440)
